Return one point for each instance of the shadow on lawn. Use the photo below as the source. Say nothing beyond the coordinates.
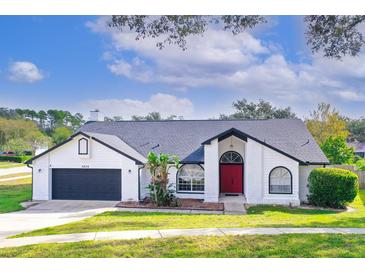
(263, 209)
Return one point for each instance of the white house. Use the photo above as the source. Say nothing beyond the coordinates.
(266, 161)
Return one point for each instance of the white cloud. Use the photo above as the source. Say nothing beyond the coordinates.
(240, 63)
(24, 72)
(216, 54)
(351, 96)
(164, 103)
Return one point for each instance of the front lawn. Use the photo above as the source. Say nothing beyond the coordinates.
(10, 164)
(13, 192)
(263, 246)
(258, 216)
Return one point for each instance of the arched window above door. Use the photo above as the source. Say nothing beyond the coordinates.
(231, 157)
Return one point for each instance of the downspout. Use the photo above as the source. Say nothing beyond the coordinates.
(28, 165)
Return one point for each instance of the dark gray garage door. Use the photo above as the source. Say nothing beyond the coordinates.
(86, 184)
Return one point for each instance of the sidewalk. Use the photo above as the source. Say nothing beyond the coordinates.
(137, 234)
(15, 178)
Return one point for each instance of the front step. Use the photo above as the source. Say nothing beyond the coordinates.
(233, 204)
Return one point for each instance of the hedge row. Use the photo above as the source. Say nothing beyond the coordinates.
(15, 159)
(332, 187)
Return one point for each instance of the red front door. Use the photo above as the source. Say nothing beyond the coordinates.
(231, 178)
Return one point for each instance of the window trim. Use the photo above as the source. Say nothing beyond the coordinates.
(87, 146)
(185, 191)
(240, 163)
(291, 181)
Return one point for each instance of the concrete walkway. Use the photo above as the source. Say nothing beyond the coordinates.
(15, 178)
(138, 234)
(14, 170)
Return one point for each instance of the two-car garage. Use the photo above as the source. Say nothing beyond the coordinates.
(86, 184)
(86, 167)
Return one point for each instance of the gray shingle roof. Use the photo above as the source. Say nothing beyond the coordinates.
(185, 137)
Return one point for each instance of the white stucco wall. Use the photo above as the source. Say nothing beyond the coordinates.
(66, 156)
(145, 179)
(41, 178)
(253, 175)
(304, 172)
(238, 145)
(211, 171)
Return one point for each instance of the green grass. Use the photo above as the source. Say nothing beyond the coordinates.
(258, 216)
(10, 164)
(13, 192)
(263, 246)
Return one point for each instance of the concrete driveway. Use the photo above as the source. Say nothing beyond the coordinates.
(50, 213)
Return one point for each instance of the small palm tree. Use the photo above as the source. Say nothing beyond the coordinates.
(159, 166)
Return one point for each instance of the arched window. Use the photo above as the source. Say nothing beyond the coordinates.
(280, 181)
(190, 178)
(231, 157)
(83, 146)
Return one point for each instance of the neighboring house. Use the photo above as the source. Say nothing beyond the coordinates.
(359, 148)
(267, 161)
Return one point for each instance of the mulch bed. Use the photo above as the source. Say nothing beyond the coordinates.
(183, 204)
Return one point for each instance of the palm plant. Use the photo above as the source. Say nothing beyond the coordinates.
(159, 166)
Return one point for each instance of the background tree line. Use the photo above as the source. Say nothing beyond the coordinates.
(25, 129)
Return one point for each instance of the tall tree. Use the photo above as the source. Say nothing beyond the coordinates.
(337, 151)
(174, 29)
(46, 120)
(8, 113)
(356, 128)
(114, 118)
(152, 116)
(325, 122)
(60, 134)
(18, 135)
(260, 110)
(334, 35)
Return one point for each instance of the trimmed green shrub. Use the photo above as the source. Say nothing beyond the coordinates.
(15, 159)
(332, 187)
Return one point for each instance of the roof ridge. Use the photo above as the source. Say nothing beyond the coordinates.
(195, 120)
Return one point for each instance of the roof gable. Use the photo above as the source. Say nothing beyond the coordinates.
(89, 137)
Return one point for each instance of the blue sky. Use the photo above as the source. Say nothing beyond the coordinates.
(77, 63)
